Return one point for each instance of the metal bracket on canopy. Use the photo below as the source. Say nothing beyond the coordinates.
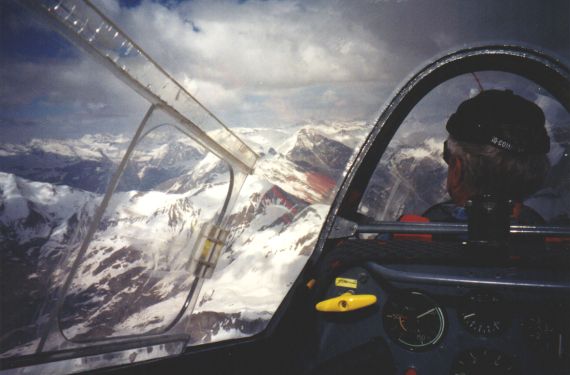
(343, 228)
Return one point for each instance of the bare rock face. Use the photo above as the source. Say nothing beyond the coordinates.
(314, 152)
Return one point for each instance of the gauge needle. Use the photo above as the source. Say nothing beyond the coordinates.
(426, 313)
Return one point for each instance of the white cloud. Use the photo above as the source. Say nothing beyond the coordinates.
(265, 62)
(68, 97)
(257, 56)
(217, 94)
(260, 63)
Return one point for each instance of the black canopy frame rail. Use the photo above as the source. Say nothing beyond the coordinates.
(395, 227)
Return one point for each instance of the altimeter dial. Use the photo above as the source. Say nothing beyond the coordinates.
(413, 320)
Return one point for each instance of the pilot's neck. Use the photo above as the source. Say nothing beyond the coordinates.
(460, 195)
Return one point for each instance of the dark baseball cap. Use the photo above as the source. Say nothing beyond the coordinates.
(501, 119)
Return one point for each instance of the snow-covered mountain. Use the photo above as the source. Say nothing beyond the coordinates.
(38, 223)
(137, 270)
(84, 163)
(406, 180)
(88, 163)
(308, 165)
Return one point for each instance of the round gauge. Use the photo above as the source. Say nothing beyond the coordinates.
(539, 332)
(413, 320)
(483, 362)
(484, 314)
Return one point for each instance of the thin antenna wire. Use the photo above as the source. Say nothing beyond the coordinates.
(481, 89)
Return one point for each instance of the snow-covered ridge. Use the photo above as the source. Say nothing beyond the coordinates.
(88, 163)
(430, 148)
(407, 180)
(137, 268)
(282, 140)
(33, 209)
(16, 190)
(88, 147)
(138, 258)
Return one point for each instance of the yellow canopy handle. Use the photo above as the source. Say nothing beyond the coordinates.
(346, 302)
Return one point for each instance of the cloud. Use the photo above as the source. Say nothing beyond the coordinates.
(257, 56)
(273, 62)
(274, 44)
(69, 97)
(17, 122)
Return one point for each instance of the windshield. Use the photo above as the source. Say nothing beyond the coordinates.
(412, 175)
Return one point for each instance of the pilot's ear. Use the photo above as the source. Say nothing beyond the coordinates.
(455, 173)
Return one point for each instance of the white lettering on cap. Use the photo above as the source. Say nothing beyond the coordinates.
(502, 144)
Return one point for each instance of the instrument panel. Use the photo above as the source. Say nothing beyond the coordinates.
(457, 330)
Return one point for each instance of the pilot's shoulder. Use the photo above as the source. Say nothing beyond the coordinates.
(445, 211)
(529, 216)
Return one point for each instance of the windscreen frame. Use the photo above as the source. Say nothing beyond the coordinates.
(533, 65)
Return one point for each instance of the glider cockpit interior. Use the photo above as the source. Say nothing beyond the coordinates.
(449, 295)
(272, 187)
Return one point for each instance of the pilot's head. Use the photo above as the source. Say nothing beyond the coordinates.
(497, 145)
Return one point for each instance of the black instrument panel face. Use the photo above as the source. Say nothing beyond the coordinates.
(454, 330)
(483, 313)
(484, 361)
